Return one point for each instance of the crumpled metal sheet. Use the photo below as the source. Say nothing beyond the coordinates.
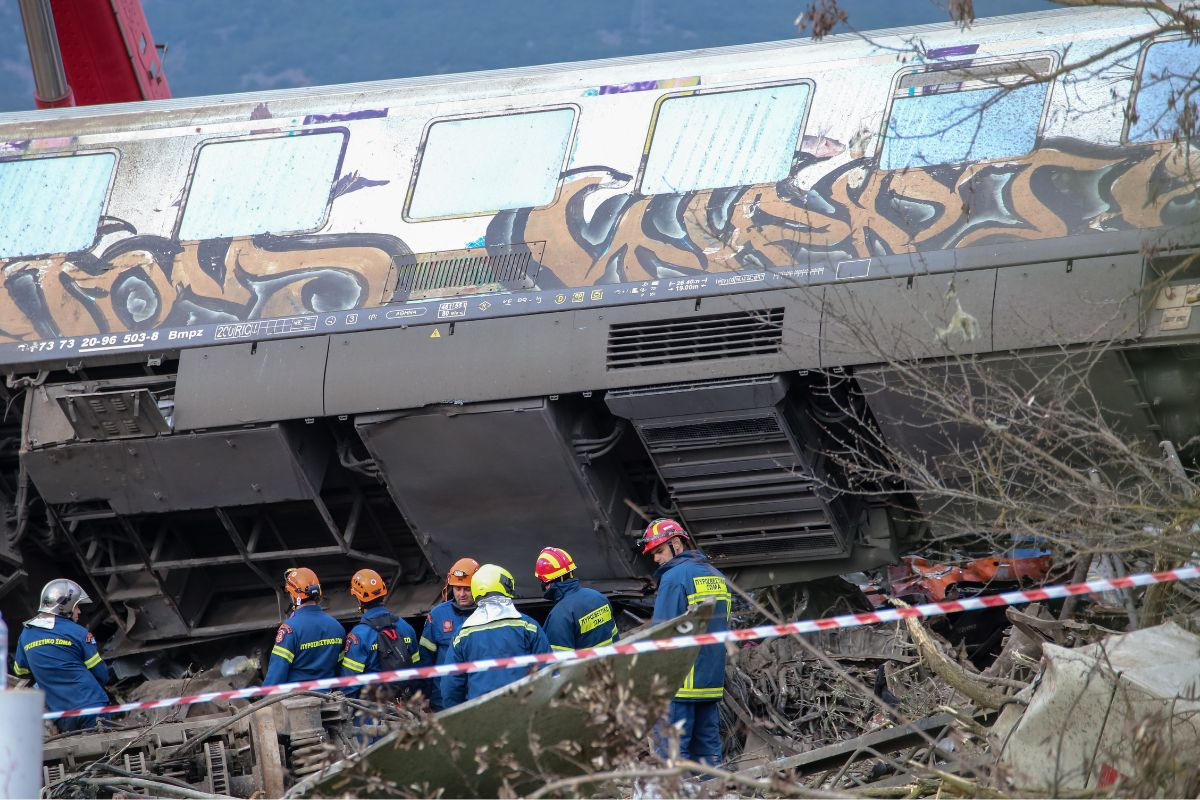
(1075, 732)
(514, 735)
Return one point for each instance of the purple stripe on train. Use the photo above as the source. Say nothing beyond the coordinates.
(369, 113)
(645, 86)
(951, 52)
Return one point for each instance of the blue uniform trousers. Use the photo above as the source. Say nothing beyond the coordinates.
(700, 739)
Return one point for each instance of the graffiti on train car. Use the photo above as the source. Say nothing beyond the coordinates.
(142, 282)
(1065, 187)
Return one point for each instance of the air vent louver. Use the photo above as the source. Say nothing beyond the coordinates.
(802, 543)
(743, 468)
(743, 485)
(450, 273)
(725, 430)
(681, 341)
(114, 414)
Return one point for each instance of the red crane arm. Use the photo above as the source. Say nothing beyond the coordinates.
(107, 51)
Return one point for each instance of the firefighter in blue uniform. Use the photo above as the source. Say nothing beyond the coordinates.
(494, 630)
(361, 652)
(309, 643)
(581, 617)
(62, 655)
(685, 578)
(443, 623)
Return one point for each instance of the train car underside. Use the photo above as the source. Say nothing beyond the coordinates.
(183, 485)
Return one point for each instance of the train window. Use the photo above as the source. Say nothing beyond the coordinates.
(484, 164)
(1169, 73)
(715, 139)
(52, 205)
(954, 113)
(249, 186)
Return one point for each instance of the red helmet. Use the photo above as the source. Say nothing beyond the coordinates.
(367, 585)
(553, 563)
(659, 533)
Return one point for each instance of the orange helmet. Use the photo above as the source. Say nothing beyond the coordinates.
(553, 563)
(366, 585)
(302, 584)
(659, 533)
(460, 574)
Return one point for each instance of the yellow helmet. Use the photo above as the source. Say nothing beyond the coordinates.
(491, 579)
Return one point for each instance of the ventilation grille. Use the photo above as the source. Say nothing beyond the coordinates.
(450, 273)
(744, 485)
(114, 415)
(706, 432)
(805, 543)
(707, 338)
(667, 389)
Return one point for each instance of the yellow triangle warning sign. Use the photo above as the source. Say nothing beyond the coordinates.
(436, 334)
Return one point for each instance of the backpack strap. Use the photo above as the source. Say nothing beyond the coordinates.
(381, 624)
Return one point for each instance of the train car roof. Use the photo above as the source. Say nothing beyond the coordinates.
(893, 43)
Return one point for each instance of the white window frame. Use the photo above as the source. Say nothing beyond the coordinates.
(337, 172)
(568, 149)
(812, 89)
(898, 93)
(104, 203)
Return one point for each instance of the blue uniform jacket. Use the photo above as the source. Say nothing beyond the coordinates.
(361, 653)
(442, 624)
(684, 581)
(307, 647)
(504, 637)
(65, 663)
(581, 617)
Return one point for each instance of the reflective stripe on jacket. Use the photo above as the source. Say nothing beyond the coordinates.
(307, 647)
(504, 637)
(581, 617)
(65, 662)
(442, 624)
(684, 581)
(361, 652)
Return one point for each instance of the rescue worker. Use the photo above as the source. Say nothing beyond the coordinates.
(685, 578)
(62, 655)
(494, 630)
(308, 645)
(376, 626)
(443, 622)
(581, 617)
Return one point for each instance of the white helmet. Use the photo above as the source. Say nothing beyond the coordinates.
(60, 596)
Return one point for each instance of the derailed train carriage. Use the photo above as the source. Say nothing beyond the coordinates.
(391, 323)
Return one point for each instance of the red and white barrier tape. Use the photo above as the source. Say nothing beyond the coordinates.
(630, 648)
